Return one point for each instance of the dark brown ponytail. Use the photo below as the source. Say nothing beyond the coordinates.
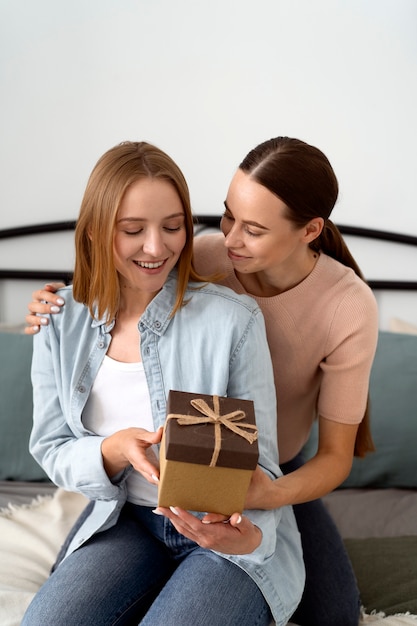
(331, 242)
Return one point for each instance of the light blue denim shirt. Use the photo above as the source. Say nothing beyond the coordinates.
(215, 344)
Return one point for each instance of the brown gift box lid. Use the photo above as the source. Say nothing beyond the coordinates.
(195, 443)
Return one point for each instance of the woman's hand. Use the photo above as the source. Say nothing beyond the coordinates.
(317, 477)
(44, 301)
(131, 446)
(234, 535)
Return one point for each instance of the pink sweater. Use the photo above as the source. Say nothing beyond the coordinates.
(322, 335)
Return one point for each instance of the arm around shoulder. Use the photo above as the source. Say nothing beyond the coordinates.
(44, 302)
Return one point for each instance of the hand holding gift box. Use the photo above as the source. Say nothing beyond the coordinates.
(208, 453)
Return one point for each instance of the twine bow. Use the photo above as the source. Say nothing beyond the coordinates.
(213, 416)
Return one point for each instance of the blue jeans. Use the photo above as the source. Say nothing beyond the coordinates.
(331, 595)
(141, 571)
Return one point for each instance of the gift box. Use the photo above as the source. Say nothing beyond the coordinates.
(208, 452)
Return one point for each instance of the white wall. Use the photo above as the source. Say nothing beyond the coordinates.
(206, 82)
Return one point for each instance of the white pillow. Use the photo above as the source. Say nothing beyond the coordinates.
(400, 326)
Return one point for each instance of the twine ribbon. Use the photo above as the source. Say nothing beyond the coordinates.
(213, 416)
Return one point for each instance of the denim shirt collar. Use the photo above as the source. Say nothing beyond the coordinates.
(157, 314)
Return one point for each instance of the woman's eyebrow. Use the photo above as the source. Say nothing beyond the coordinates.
(145, 219)
(248, 222)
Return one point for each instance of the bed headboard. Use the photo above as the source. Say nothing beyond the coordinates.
(387, 259)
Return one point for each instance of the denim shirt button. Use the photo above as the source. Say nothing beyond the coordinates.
(157, 325)
(81, 389)
(101, 344)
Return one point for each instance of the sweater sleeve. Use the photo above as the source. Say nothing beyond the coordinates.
(350, 351)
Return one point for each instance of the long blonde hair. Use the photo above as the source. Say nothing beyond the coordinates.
(96, 281)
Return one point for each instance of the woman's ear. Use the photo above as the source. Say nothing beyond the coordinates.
(313, 229)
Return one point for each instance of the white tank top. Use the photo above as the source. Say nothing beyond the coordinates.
(119, 399)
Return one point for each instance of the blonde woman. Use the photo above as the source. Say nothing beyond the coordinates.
(138, 322)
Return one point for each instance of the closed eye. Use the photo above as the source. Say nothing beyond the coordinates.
(228, 216)
(172, 230)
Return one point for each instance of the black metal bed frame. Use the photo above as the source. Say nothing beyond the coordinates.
(202, 222)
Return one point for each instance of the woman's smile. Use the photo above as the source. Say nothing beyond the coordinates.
(150, 265)
(150, 234)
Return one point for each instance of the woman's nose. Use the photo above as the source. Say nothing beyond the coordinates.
(153, 244)
(232, 238)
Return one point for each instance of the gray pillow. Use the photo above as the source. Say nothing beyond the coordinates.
(386, 571)
(393, 393)
(16, 463)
